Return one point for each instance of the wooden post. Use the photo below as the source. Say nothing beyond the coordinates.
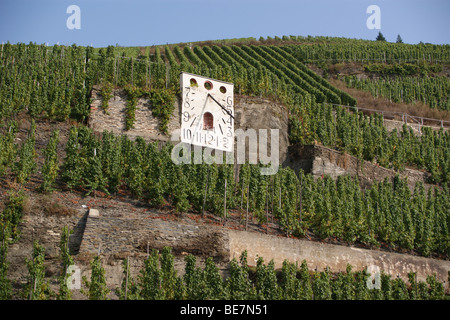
(279, 201)
(246, 217)
(273, 188)
(126, 279)
(32, 247)
(67, 242)
(146, 77)
(149, 75)
(206, 191)
(415, 276)
(115, 71)
(34, 288)
(300, 210)
(225, 202)
(370, 231)
(242, 194)
(84, 71)
(267, 209)
(167, 75)
(132, 73)
(118, 68)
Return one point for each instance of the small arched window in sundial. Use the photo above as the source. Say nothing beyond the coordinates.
(208, 121)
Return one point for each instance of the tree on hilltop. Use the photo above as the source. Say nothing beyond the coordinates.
(380, 37)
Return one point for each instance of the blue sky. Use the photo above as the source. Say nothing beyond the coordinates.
(152, 22)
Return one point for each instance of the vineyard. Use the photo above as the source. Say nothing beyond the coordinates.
(269, 71)
(342, 49)
(431, 90)
(158, 280)
(55, 83)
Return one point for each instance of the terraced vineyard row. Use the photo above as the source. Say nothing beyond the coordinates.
(364, 51)
(269, 64)
(434, 91)
(257, 70)
(56, 83)
(387, 213)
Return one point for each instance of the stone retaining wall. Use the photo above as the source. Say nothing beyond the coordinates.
(335, 257)
(250, 113)
(135, 234)
(319, 160)
(114, 118)
(122, 237)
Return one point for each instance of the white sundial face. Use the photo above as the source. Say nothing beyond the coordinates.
(207, 112)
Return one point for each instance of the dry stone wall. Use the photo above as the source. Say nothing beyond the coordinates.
(120, 237)
(319, 160)
(114, 117)
(135, 234)
(250, 113)
(335, 257)
(416, 126)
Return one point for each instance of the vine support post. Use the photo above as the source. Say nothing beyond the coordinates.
(279, 200)
(118, 69)
(415, 276)
(84, 72)
(273, 188)
(167, 75)
(149, 76)
(126, 278)
(267, 209)
(132, 73)
(246, 217)
(146, 77)
(115, 66)
(242, 194)
(300, 196)
(225, 203)
(33, 287)
(206, 191)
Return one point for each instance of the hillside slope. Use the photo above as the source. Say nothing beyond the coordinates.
(45, 106)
